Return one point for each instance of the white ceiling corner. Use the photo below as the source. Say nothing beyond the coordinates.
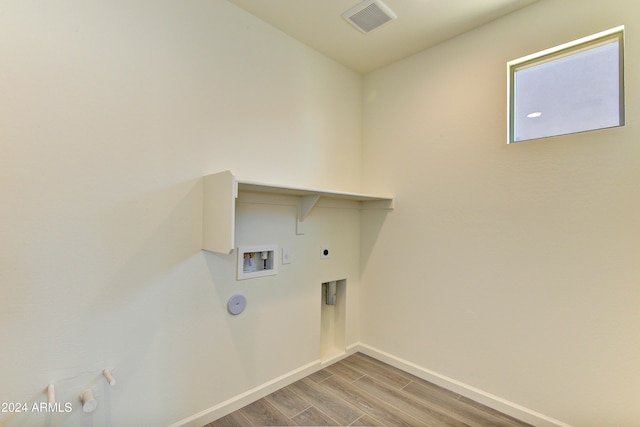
(420, 25)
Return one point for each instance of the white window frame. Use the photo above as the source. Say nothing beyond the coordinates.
(557, 52)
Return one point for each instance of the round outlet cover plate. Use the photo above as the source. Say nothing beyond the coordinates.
(236, 304)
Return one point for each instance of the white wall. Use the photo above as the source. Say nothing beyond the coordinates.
(110, 112)
(511, 269)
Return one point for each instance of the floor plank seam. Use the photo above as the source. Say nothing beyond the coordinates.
(377, 422)
(331, 418)
(372, 404)
(301, 412)
(360, 377)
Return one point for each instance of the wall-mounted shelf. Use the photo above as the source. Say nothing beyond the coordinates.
(221, 189)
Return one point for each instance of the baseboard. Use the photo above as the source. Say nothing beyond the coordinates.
(480, 396)
(250, 396)
(256, 393)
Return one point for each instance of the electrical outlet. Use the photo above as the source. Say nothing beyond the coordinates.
(286, 256)
(325, 252)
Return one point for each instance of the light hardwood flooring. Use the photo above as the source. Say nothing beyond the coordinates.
(362, 391)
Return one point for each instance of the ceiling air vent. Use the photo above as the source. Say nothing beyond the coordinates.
(369, 15)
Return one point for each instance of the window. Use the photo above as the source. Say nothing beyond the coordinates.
(575, 87)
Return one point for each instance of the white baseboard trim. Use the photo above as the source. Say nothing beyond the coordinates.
(480, 396)
(250, 396)
(256, 393)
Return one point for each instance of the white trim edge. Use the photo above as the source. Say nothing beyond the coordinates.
(509, 408)
(473, 393)
(228, 406)
(568, 45)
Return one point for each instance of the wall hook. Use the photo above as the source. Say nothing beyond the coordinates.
(89, 403)
(51, 393)
(109, 377)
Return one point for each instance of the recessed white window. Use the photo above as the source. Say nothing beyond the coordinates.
(575, 87)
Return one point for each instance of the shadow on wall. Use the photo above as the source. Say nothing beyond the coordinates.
(371, 226)
(150, 235)
(152, 245)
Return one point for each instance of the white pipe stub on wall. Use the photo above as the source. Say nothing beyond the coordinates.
(51, 394)
(109, 377)
(89, 403)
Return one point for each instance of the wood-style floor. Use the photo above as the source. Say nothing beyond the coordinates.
(362, 391)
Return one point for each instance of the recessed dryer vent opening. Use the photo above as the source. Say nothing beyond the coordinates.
(333, 303)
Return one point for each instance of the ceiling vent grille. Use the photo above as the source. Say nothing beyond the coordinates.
(369, 15)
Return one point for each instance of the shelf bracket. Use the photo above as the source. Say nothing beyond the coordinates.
(305, 205)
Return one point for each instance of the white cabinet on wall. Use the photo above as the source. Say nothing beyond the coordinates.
(219, 204)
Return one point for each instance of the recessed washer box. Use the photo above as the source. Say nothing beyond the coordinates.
(257, 261)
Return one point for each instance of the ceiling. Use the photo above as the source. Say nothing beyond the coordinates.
(420, 24)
